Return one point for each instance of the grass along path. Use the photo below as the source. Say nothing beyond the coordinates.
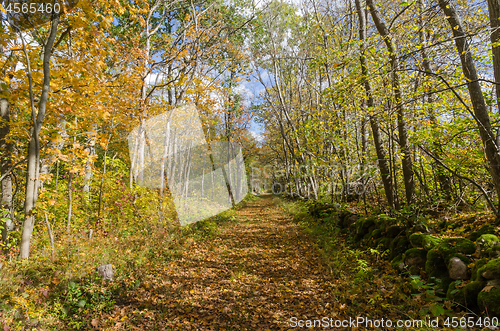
(255, 274)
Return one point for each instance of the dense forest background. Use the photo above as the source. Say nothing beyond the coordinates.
(391, 105)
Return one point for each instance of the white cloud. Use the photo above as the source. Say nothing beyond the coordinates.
(257, 136)
(246, 94)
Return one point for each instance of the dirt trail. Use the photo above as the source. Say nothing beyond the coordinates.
(256, 274)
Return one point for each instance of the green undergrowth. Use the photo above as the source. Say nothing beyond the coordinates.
(371, 285)
(208, 228)
(61, 290)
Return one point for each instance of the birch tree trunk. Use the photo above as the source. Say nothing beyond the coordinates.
(89, 164)
(166, 143)
(70, 188)
(5, 164)
(34, 144)
(383, 164)
(476, 94)
(443, 179)
(402, 130)
(494, 10)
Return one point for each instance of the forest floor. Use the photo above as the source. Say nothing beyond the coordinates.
(263, 271)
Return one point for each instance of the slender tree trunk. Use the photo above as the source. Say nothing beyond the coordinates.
(203, 179)
(34, 145)
(166, 143)
(171, 178)
(70, 188)
(188, 172)
(476, 94)
(70, 200)
(141, 152)
(494, 10)
(89, 164)
(57, 182)
(383, 164)
(402, 130)
(51, 237)
(364, 142)
(444, 180)
(102, 183)
(239, 187)
(5, 164)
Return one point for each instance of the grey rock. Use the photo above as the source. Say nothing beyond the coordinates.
(105, 271)
(457, 269)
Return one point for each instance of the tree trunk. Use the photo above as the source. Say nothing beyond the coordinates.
(89, 164)
(102, 184)
(70, 201)
(444, 180)
(166, 144)
(402, 130)
(383, 164)
(34, 145)
(494, 9)
(5, 164)
(476, 94)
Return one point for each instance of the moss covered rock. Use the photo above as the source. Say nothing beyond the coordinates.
(448, 252)
(486, 229)
(383, 243)
(489, 301)
(445, 251)
(465, 296)
(461, 245)
(486, 242)
(415, 257)
(377, 233)
(471, 292)
(494, 252)
(394, 230)
(424, 240)
(434, 264)
(398, 246)
(475, 275)
(386, 219)
(420, 227)
(363, 225)
(455, 294)
(491, 270)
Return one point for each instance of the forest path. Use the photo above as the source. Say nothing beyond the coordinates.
(256, 273)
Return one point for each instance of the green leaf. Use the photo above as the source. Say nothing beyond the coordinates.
(437, 310)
